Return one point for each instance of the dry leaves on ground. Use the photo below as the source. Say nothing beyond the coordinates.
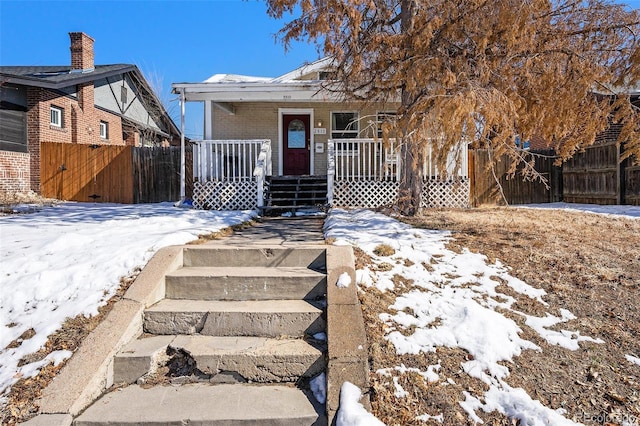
(588, 264)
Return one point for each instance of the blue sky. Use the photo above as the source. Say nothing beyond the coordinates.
(170, 41)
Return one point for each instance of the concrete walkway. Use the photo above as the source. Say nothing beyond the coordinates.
(279, 231)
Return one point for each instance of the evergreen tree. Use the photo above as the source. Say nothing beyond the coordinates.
(480, 71)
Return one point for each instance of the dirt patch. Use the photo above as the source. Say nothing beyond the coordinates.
(588, 264)
(23, 202)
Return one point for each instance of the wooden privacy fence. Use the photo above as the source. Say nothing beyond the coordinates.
(594, 176)
(156, 174)
(597, 176)
(113, 174)
(516, 190)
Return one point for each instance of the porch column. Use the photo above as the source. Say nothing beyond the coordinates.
(208, 120)
(182, 153)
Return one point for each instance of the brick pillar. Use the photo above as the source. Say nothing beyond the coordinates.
(86, 97)
(34, 96)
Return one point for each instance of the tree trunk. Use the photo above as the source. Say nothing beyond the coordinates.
(410, 190)
(411, 182)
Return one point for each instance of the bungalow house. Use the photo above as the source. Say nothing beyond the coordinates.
(288, 143)
(80, 103)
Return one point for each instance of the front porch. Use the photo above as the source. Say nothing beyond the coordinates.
(361, 173)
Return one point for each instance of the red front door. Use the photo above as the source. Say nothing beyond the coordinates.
(296, 144)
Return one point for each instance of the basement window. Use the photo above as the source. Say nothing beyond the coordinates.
(56, 116)
(104, 130)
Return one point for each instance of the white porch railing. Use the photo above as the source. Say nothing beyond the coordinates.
(370, 159)
(225, 159)
(224, 173)
(366, 173)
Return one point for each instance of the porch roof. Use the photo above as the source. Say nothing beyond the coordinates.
(301, 84)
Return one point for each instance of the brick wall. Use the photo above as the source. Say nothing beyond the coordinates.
(79, 124)
(14, 172)
(259, 120)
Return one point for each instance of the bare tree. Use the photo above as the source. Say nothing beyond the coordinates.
(479, 70)
(157, 106)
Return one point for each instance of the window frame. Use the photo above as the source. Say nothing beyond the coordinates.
(104, 125)
(355, 133)
(56, 111)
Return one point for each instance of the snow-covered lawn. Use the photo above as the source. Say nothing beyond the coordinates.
(67, 260)
(457, 300)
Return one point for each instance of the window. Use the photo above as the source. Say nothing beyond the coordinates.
(344, 125)
(123, 95)
(13, 128)
(326, 75)
(525, 145)
(385, 117)
(104, 130)
(56, 116)
(296, 134)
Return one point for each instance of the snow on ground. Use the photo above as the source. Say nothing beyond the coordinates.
(455, 302)
(626, 211)
(67, 260)
(352, 412)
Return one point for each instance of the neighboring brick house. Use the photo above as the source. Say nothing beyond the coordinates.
(608, 136)
(78, 104)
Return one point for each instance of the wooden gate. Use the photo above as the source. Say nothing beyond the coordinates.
(73, 172)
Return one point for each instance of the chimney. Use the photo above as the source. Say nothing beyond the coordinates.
(81, 52)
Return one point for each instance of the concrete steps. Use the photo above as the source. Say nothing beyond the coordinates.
(312, 257)
(263, 318)
(245, 283)
(230, 343)
(201, 404)
(254, 359)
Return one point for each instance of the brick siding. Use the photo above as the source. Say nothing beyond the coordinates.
(79, 125)
(259, 120)
(14, 172)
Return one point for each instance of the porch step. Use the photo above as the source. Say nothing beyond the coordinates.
(254, 359)
(261, 318)
(292, 193)
(203, 404)
(202, 255)
(245, 283)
